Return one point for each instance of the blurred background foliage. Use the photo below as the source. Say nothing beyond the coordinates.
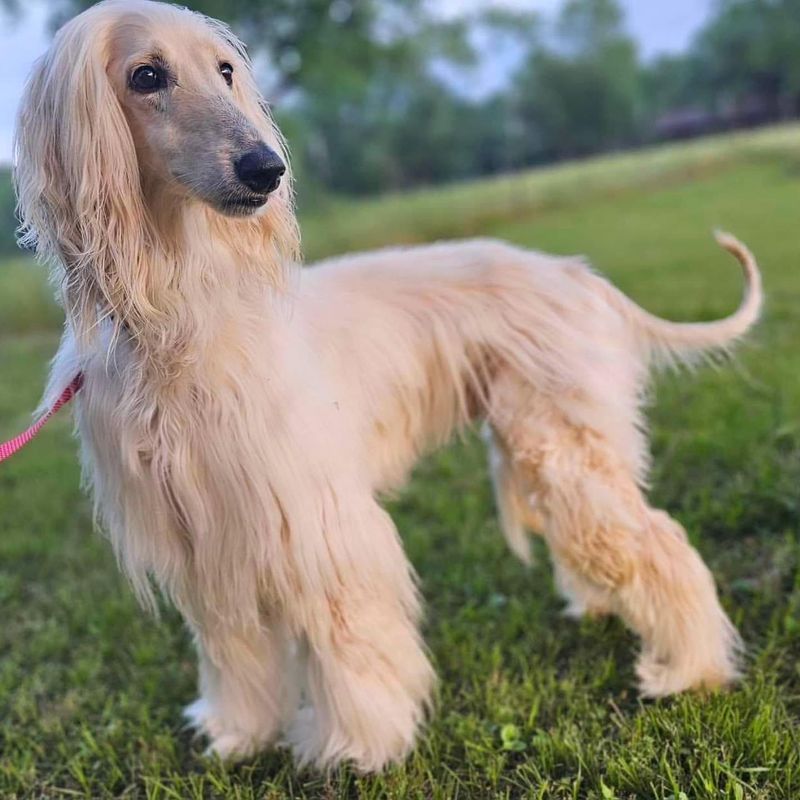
(375, 95)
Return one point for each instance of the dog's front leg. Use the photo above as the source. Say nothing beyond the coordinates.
(247, 689)
(368, 679)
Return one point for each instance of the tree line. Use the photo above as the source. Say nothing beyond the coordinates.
(374, 94)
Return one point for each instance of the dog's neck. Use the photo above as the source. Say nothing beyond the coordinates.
(208, 282)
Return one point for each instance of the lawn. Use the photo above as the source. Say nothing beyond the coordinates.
(529, 704)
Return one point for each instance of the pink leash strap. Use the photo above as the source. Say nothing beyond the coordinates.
(7, 449)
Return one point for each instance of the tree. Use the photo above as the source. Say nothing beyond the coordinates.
(581, 93)
(672, 84)
(8, 217)
(749, 50)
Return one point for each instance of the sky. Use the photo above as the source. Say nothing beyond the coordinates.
(659, 26)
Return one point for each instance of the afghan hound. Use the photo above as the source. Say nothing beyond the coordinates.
(239, 417)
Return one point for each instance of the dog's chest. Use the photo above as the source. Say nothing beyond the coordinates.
(217, 450)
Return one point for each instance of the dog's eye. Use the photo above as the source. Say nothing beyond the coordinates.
(227, 72)
(148, 79)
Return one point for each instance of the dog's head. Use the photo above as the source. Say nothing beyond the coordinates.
(185, 88)
(139, 112)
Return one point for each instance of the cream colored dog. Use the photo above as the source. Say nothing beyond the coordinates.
(239, 417)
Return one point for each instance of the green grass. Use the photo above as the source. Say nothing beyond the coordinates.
(530, 705)
(26, 303)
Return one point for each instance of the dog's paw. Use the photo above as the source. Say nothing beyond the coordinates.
(592, 609)
(302, 738)
(573, 610)
(200, 718)
(312, 744)
(224, 742)
(660, 679)
(232, 747)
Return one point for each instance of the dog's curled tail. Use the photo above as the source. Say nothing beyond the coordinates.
(684, 342)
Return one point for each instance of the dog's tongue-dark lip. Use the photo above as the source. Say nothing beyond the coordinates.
(247, 202)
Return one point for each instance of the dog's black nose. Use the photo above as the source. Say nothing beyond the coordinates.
(260, 169)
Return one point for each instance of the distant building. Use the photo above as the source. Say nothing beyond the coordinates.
(686, 123)
(747, 112)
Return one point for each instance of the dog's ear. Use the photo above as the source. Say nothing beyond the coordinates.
(77, 179)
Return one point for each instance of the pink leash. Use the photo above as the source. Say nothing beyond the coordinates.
(7, 449)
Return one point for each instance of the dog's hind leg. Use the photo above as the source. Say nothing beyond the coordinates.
(519, 516)
(247, 689)
(611, 546)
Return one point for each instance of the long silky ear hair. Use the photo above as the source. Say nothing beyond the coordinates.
(77, 181)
